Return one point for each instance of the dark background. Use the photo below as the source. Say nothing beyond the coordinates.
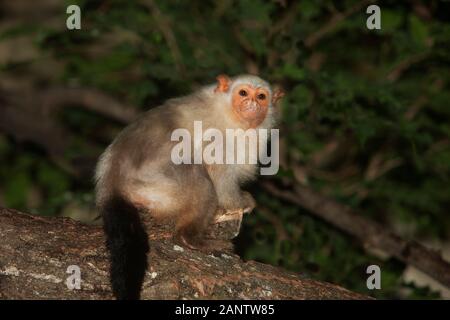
(365, 120)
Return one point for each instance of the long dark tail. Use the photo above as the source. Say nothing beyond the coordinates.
(127, 243)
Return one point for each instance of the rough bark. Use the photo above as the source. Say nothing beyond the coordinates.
(35, 252)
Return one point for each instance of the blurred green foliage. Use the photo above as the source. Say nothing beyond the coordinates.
(365, 119)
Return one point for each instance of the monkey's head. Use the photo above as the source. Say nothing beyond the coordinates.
(251, 98)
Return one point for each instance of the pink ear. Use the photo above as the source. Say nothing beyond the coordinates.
(223, 83)
(277, 95)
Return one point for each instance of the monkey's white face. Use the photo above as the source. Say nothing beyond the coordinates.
(250, 104)
(251, 98)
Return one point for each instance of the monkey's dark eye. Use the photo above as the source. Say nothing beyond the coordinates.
(243, 93)
(261, 96)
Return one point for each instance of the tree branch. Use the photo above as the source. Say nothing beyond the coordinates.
(36, 251)
(370, 234)
(90, 99)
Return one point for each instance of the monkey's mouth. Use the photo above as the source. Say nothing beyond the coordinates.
(251, 107)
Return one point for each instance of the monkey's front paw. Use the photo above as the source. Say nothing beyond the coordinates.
(227, 215)
(249, 202)
(244, 204)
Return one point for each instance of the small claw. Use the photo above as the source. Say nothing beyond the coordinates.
(228, 217)
(234, 212)
(184, 243)
(247, 210)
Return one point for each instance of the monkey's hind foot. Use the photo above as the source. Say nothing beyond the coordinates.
(188, 243)
(209, 246)
(217, 246)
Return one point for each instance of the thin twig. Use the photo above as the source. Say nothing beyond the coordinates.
(369, 233)
(90, 99)
(334, 21)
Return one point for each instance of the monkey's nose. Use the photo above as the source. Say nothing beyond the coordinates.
(252, 106)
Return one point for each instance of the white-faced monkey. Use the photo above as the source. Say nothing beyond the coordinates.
(135, 175)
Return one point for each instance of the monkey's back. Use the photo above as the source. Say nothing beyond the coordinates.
(141, 153)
